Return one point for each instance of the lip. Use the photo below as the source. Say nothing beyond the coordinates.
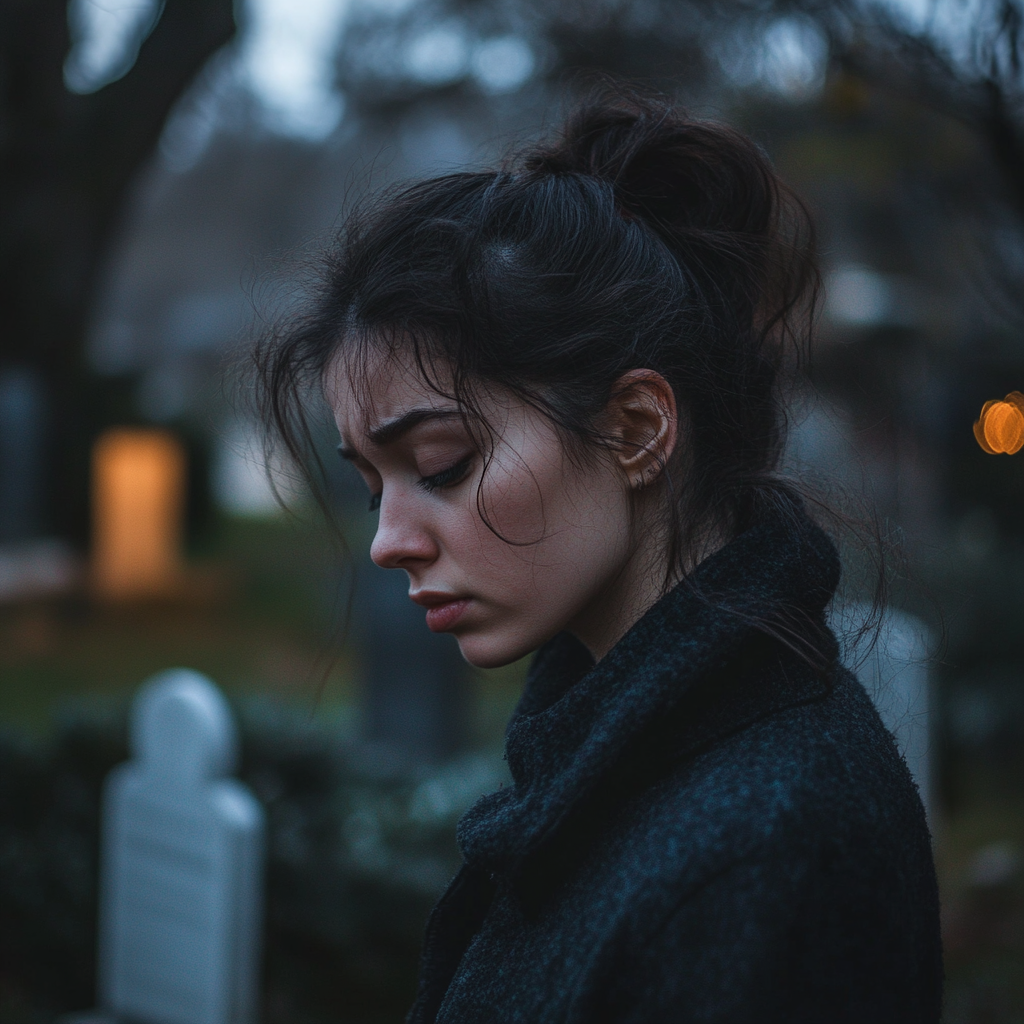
(443, 610)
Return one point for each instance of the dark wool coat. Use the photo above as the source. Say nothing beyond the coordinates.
(700, 827)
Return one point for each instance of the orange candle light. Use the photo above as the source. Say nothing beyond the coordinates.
(138, 512)
(1000, 427)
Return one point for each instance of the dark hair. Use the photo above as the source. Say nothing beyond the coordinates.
(637, 238)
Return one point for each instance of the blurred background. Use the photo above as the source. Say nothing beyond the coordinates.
(166, 172)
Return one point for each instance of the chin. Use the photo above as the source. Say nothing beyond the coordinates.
(483, 651)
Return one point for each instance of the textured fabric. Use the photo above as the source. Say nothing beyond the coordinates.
(701, 827)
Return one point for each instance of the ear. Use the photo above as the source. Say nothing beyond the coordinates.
(642, 418)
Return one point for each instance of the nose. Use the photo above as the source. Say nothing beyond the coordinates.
(402, 541)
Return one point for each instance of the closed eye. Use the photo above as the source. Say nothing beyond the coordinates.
(447, 477)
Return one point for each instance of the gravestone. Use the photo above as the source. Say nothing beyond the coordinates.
(895, 673)
(182, 852)
(415, 699)
(22, 455)
(415, 695)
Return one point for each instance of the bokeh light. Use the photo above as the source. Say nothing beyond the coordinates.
(1000, 427)
(138, 510)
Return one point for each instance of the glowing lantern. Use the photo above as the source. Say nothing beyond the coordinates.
(138, 508)
(1000, 427)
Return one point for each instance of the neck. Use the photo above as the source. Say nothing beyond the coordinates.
(643, 578)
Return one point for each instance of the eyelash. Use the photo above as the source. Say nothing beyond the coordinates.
(446, 478)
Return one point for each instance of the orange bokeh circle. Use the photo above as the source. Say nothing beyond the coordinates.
(1000, 427)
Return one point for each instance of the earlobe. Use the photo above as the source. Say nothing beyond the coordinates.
(644, 418)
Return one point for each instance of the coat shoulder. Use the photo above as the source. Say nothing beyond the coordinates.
(795, 848)
(820, 781)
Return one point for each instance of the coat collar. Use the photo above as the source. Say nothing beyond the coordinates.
(578, 724)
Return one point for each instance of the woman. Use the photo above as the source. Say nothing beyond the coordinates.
(561, 384)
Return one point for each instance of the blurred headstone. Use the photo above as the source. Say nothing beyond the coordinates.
(22, 427)
(138, 512)
(415, 696)
(36, 568)
(31, 565)
(181, 882)
(894, 671)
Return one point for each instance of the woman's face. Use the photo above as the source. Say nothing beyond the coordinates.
(556, 539)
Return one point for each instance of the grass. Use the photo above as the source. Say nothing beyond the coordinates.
(252, 615)
(260, 611)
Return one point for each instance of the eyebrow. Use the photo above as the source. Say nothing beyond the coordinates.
(391, 430)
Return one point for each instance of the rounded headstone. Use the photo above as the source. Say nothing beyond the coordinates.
(182, 728)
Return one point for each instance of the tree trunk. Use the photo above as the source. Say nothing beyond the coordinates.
(67, 162)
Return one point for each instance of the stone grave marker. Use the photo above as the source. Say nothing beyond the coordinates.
(416, 699)
(181, 875)
(22, 453)
(895, 673)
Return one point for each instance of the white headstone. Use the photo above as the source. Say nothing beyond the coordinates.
(895, 674)
(182, 853)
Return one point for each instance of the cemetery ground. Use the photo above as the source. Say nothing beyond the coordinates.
(260, 610)
(357, 850)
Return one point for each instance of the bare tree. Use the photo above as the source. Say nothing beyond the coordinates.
(961, 61)
(67, 162)
(970, 70)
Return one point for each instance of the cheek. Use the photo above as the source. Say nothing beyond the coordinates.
(550, 520)
(521, 498)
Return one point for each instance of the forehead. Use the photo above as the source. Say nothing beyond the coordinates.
(370, 384)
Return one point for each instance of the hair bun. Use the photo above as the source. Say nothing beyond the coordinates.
(671, 171)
